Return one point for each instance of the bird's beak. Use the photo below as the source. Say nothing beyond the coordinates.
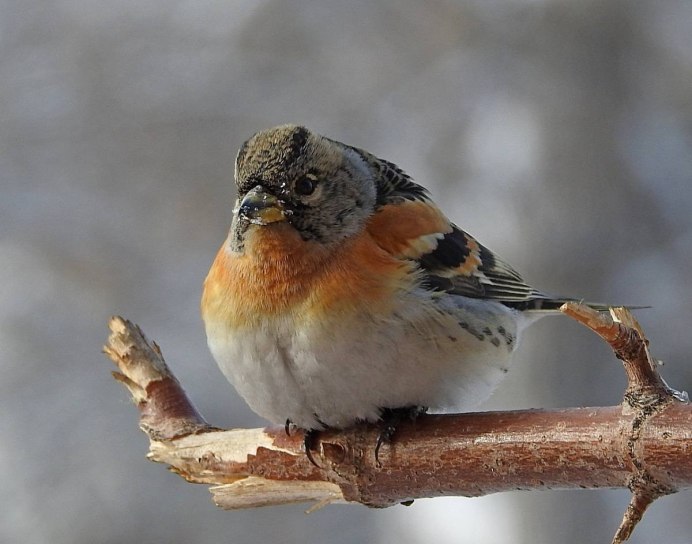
(261, 207)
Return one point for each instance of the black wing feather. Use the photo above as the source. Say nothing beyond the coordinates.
(487, 276)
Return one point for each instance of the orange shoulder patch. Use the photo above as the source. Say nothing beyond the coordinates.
(408, 229)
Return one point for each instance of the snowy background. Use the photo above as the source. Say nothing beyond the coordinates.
(558, 133)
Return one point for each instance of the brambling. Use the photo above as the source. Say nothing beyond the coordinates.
(343, 293)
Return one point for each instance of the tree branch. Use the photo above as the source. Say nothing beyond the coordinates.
(642, 444)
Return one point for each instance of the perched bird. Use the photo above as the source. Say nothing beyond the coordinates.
(344, 294)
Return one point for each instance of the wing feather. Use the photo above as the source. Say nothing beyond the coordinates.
(408, 225)
(473, 270)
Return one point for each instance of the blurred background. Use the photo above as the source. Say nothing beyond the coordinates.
(558, 133)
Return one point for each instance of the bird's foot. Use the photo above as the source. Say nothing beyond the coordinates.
(390, 418)
(310, 442)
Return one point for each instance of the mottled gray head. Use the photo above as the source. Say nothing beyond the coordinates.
(323, 188)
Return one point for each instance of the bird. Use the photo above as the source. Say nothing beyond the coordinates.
(343, 293)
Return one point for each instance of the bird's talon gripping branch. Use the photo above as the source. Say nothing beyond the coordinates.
(384, 436)
(311, 443)
(390, 418)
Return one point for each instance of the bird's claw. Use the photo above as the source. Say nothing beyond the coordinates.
(310, 444)
(390, 419)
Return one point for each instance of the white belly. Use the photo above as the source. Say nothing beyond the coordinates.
(448, 354)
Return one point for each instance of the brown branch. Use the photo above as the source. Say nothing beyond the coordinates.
(647, 396)
(642, 444)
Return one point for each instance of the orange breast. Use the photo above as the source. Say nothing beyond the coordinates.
(279, 272)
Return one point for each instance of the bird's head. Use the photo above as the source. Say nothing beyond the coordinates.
(323, 189)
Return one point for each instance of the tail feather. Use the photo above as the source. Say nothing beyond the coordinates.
(544, 303)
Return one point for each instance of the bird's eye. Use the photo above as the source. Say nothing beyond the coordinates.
(305, 185)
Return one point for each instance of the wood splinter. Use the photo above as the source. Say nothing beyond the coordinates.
(642, 444)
